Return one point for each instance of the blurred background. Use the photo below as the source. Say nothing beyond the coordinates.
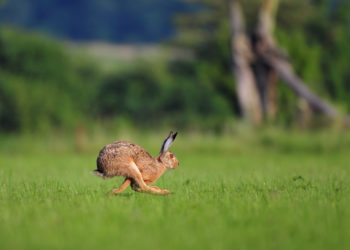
(259, 91)
(145, 64)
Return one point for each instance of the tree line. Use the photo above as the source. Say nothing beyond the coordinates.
(43, 86)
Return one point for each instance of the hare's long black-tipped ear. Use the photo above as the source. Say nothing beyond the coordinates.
(168, 141)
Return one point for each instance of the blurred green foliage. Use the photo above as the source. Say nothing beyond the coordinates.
(43, 86)
(318, 44)
(151, 97)
(40, 85)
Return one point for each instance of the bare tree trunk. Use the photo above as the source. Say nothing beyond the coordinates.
(265, 75)
(266, 22)
(242, 54)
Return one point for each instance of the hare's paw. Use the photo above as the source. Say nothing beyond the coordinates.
(161, 191)
(165, 191)
(117, 191)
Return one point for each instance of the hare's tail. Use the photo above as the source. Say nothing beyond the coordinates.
(99, 174)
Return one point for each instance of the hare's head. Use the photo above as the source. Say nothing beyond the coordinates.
(166, 157)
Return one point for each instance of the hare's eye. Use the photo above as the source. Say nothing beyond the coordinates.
(171, 156)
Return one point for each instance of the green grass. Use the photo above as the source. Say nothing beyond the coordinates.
(266, 191)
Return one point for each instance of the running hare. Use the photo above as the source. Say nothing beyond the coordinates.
(139, 168)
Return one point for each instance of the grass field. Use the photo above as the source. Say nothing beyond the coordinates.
(266, 191)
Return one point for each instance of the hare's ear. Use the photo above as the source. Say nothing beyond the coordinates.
(168, 141)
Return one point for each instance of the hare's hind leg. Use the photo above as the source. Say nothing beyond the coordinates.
(140, 186)
(124, 185)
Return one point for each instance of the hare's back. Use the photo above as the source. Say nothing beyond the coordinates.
(119, 151)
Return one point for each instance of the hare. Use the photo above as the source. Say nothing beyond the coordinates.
(123, 158)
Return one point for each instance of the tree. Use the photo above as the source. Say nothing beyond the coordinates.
(269, 60)
(258, 61)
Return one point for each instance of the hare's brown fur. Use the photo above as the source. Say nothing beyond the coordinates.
(123, 158)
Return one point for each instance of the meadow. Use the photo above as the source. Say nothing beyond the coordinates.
(243, 190)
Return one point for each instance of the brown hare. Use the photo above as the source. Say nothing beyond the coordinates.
(139, 168)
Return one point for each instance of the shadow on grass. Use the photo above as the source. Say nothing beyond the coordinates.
(124, 195)
(128, 195)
